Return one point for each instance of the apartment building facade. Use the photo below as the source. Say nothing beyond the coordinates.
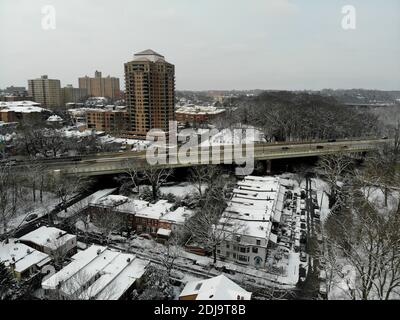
(71, 94)
(45, 91)
(149, 93)
(112, 121)
(100, 86)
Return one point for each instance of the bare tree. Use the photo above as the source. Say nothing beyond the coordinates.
(203, 177)
(334, 168)
(108, 221)
(12, 196)
(367, 242)
(67, 187)
(156, 177)
(382, 167)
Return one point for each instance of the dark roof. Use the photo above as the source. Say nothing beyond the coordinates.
(148, 52)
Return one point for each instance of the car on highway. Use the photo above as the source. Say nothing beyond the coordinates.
(285, 148)
(332, 140)
(31, 217)
(385, 138)
(320, 147)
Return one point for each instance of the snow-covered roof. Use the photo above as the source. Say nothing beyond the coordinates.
(121, 203)
(199, 110)
(112, 200)
(21, 106)
(48, 237)
(178, 216)
(54, 118)
(155, 211)
(23, 256)
(104, 273)
(217, 288)
(164, 232)
(252, 207)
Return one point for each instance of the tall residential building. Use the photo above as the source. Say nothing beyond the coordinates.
(71, 94)
(149, 93)
(45, 91)
(101, 87)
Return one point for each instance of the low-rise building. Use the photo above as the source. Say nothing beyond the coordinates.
(111, 121)
(247, 221)
(24, 262)
(147, 220)
(157, 220)
(22, 111)
(175, 220)
(217, 288)
(97, 273)
(197, 114)
(52, 241)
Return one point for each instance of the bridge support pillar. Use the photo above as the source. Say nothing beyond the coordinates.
(268, 166)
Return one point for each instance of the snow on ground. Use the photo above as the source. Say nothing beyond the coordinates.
(323, 200)
(181, 189)
(376, 196)
(235, 137)
(30, 207)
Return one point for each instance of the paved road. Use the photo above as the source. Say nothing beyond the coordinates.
(310, 288)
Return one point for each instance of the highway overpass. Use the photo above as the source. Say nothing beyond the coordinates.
(114, 163)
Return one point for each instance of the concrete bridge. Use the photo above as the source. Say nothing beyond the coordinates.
(114, 163)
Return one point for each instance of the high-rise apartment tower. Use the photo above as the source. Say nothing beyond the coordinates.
(149, 93)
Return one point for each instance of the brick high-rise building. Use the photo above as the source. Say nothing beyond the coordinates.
(46, 91)
(149, 93)
(101, 87)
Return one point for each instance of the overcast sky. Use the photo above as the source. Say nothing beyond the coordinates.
(214, 44)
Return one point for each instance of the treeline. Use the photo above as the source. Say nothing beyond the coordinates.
(289, 116)
(40, 140)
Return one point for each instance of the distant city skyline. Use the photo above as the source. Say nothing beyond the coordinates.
(214, 45)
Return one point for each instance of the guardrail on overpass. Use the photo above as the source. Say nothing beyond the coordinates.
(118, 162)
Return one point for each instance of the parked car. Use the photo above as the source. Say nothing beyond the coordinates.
(303, 226)
(296, 245)
(302, 273)
(303, 257)
(303, 218)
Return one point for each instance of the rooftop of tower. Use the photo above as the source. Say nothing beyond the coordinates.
(148, 54)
